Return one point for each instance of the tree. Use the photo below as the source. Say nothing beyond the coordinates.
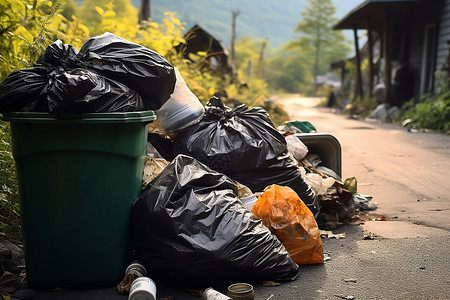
(287, 71)
(317, 38)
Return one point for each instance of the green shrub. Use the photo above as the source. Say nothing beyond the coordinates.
(433, 113)
(9, 199)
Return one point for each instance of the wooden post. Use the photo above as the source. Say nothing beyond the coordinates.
(234, 13)
(262, 55)
(144, 11)
(371, 73)
(358, 83)
(387, 57)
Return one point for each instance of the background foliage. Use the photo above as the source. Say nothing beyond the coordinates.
(27, 27)
(433, 112)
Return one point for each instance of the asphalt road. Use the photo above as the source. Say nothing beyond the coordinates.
(408, 176)
(406, 173)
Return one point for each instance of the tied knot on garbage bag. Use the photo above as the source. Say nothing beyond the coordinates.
(108, 74)
(285, 214)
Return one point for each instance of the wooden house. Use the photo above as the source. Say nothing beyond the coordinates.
(407, 42)
(217, 56)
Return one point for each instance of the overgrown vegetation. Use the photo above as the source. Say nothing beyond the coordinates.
(27, 27)
(9, 199)
(433, 113)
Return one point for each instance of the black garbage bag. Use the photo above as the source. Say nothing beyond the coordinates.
(27, 89)
(80, 91)
(23, 90)
(58, 55)
(243, 144)
(110, 74)
(189, 225)
(231, 140)
(162, 145)
(134, 65)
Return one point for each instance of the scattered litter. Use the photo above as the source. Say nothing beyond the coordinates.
(292, 222)
(364, 202)
(212, 294)
(270, 297)
(269, 283)
(328, 172)
(326, 256)
(345, 297)
(382, 218)
(369, 236)
(152, 168)
(351, 184)
(313, 159)
(296, 147)
(350, 280)
(319, 184)
(142, 288)
(330, 234)
(298, 127)
(133, 271)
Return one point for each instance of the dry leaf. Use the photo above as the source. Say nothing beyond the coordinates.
(270, 283)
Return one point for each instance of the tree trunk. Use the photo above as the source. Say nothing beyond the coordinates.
(144, 11)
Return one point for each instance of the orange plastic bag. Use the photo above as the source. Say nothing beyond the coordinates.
(285, 214)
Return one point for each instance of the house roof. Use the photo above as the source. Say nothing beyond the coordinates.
(376, 11)
(198, 39)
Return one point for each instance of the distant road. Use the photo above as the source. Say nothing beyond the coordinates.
(408, 174)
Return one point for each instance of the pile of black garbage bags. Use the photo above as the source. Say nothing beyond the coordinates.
(200, 230)
(188, 224)
(108, 74)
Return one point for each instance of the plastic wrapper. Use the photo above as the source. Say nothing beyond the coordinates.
(318, 183)
(243, 144)
(110, 74)
(183, 109)
(298, 127)
(285, 214)
(189, 226)
(296, 147)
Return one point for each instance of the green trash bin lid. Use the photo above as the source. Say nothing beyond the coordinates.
(82, 118)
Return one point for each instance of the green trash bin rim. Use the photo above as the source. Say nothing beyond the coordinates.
(81, 118)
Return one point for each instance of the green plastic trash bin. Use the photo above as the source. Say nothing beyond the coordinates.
(78, 177)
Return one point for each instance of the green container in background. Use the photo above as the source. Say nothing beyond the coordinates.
(78, 177)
